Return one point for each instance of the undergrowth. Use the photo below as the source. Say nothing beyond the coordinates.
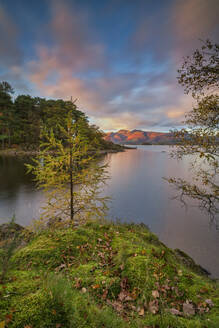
(104, 275)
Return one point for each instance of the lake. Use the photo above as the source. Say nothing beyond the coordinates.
(139, 194)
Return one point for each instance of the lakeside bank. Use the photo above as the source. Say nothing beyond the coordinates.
(104, 275)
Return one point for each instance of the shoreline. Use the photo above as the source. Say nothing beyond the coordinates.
(17, 152)
(184, 258)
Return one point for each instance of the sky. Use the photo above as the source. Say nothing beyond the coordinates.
(118, 58)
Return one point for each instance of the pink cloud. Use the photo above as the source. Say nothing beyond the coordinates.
(192, 18)
(113, 100)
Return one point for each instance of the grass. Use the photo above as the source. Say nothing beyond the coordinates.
(104, 275)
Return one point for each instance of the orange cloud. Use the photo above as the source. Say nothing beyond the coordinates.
(114, 100)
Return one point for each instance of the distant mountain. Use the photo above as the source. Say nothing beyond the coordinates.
(139, 137)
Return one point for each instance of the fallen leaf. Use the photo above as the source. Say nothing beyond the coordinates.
(62, 266)
(8, 318)
(175, 311)
(106, 273)
(124, 283)
(77, 282)
(122, 295)
(117, 306)
(203, 290)
(155, 294)
(201, 309)
(141, 311)
(153, 307)
(105, 294)
(128, 298)
(209, 302)
(122, 266)
(188, 309)
(2, 324)
(96, 286)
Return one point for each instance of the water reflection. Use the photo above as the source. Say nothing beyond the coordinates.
(139, 194)
(18, 194)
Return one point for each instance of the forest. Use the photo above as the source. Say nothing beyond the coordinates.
(23, 119)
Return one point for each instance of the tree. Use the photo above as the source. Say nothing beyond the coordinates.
(68, 172)
(22, 120)
(6, 112)
(199, 75)
(28, 119)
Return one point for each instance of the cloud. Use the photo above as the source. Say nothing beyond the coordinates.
(61, 69)
(174, 30)
(192, 18)
(10, 53)
(192, 21)
(73, 49)
(135, 89)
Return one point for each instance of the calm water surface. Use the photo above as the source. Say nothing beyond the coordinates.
(139, 194)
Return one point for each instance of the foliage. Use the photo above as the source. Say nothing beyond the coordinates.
(199, 72)
(105, 275)
(23, 119)
(7, 248)
(6, 112)
(67, 170)
(200, 75)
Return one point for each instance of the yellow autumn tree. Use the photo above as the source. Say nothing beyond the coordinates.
(68, 171)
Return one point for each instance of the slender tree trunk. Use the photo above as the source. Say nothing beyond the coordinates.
(71, 186)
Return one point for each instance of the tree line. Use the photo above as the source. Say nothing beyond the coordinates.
(24, 118)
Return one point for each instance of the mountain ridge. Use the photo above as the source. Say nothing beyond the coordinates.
(139, 137)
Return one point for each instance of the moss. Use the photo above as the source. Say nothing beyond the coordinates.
(189, 262)
(102, 275)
